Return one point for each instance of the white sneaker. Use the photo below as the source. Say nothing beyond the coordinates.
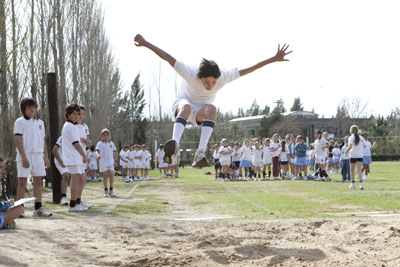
(64, 201)
(361, 186)
(200, 160)
(106, 192)
(352, 186)
(259, 179)
(319, 179)
(85, 205)
(82, 207)
(305, 178)
(112, 193)
(365, 177)
(275, 178)
(77, 208)
(42, 213)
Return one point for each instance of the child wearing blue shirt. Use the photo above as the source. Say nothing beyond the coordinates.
(300, 160)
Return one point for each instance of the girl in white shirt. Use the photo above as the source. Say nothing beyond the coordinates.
(283, 159)
(267, 158)
(275, 145)
(225, 152)
(217, 164)
(367, 159)
(356, 149)
(257, 161)
(245, 160)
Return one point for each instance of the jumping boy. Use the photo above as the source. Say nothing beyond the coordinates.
(198, 91)
(32, 158)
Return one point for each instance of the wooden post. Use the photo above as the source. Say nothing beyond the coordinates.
(54, 133)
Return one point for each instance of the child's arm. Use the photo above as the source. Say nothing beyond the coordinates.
(348, 149)
(98, 154)
(46, 156)
(80, 150)
(20, 147)
(280, 56)
(57, 156)
(140, 41)
(115, 157)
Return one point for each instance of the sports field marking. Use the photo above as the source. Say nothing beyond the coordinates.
(367, 213)
(205, 218)
(127, 195)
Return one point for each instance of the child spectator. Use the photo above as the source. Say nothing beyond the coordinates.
(345, 161)
(245, 158)
(275, 145)
(107, 155)
(336, 158)
(66, 176)
(267, 158)
(160, 159)
(367, 159)
(225, 151)
(145, 162)
(236, 159)
(300, 160)
(257, 161)
(92, 159)
(283, 158)
(217, 164)
(123, 162)
(32, 158)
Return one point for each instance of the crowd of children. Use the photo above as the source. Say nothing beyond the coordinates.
(167, 170)
(291, 158)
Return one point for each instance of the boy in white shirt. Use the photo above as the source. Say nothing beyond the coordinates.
(136, 162)
(345, 161)
(267, 158)
(144, 162)
(92, 160)
(131, 156)
(73, 156)
(198, 91)
(66, 176)
(32, 158)
(160, 159)
(225, 152)
(107, 155)
(123, 162)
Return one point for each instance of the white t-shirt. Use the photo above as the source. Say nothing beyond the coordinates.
(336, 153)
(256, 155)
(319, 147)
(138, 155)
(344, 155)
(267, 154)
(367, 149)
(106, 150)
(356, 151)
(274, 145)
(309, 154)
(246, 153)
(192, 88)
(216, 154)
(284, 154)
(123, 156)
(59, 145)
(160, 155)
(70, 136)
(33, 133)
(145, 155)
(130, 155)
(83, 130)
(92, 157)
(235, 154)
(226, 157)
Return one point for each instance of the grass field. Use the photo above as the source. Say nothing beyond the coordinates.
(199, 195)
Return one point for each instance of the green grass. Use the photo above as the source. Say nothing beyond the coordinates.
(249, 200)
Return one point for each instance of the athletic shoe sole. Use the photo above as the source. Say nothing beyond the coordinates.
(200, 164)
(170, 148)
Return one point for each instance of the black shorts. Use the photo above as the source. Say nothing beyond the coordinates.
(284, 162)
(237, 164)
(354, 160)
(217, 165)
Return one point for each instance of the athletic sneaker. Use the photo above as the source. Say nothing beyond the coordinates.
(275, 178)
(365, 177)
(64, 201)
(82, 207)
(170, 149)
(85, 205)
(41, 212)
(76, 208)
(112, 193)
(319, 179)
(361, 186)
(106, 192)
(200, 160)
(352, 186)
(10, 226)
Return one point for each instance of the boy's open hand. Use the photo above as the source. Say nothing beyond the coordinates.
(280, 55)
(139, 40)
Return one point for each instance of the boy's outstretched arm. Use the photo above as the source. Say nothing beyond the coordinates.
(140, 41)
(280, 56)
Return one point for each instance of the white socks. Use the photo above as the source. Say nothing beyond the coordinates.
(179, 127)
(206, 130)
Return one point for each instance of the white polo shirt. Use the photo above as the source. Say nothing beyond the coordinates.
(284, 154)
(160, 155)
(192, 88)
(83, 133)
(106, 150)
(33, 134)
(124, 155)
(70, 136)
(256, 155)
(130, 155)
(235, 155)
(145, 155)
(274, 145)
(266, 152)
(59, 145)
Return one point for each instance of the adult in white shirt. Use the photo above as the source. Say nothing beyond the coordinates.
(356, 149)
(198, 91)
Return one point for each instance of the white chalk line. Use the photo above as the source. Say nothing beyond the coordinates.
(127, 195)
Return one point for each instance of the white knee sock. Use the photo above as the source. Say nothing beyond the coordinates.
(179, 127)
(206, 130)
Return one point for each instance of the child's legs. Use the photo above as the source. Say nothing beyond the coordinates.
(359, 171)
(21, 187)
(111, 174)
(82, 182)
(37, 188)
(64, 182)
(305, 170)
(74, 186)
(352, 168)
(275, 167)
(105, 176)
(365, 169)
(11, 215)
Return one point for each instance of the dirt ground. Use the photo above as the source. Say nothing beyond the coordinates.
(187, 238)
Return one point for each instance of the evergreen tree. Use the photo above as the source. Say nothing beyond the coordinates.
(254, 109)
(275, 116)
(136, 106)
(297, 105)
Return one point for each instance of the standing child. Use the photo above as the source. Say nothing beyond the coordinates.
(123, 162)
(136, 162)
(257, 161)
(131, 157)
(367, 159)
(225, 151)
(275, 145)
(356, 149)
(320, 147)
(267, 158)
(175, 165)
(309, 156)
(336, 158)
(66, 176)
(217, 164)
(290, 143)
(300, 160)
(7, 216)
(146, 156)
(245, 158)
(345, 161)
(331, 162)
(107, 155)
(32, 158)
(92, 159)
(283, 158)
(73, 155)
(236, 159)
(160, 159)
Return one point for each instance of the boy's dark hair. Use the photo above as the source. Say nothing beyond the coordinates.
(92, 148)
(71, 108)
(208, 68)
(27, 102)
(82, 108)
